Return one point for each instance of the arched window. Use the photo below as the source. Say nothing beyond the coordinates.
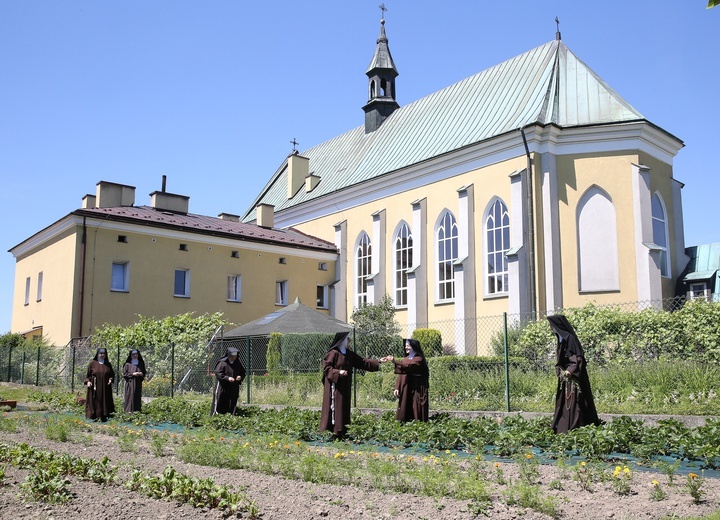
(597, 242)
(363, 269)
(660, 233)
(447, 253)
(497, 243)
(403, 261)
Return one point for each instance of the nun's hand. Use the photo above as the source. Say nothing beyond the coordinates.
(342, 372)
(88, 384)
(110, 381)
(231, 379)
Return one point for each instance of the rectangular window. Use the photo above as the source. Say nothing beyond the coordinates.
(281, 293)
(182, 283)
(27, 291)
(39, 287)
(322, 297)
(322, 266)
(234, 288)
(119, 280)
(698, 291)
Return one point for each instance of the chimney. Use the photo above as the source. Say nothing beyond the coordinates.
(265, 214)
(164, 201)
(112, 195)
(229, 216)
(311, 181)
(88, 201)
(298, 168)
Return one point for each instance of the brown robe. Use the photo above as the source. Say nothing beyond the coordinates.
(412, 385)
(99, 400)
(574, 403)
(132, 399)
(335, 413)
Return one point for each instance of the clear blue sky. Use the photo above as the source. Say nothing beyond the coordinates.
(211, 93)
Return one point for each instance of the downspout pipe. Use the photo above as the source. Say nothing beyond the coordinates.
(530, 227)
(82, 277)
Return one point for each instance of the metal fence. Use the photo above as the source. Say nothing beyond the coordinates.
(494, 351)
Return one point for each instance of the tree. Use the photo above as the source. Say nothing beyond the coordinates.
(712, 3)
(376, 330)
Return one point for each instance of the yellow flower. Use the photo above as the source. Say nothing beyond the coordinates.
(692, 475)
(654, 483)
(582, 464)
(447, 451)
(528, 456)
(297, 443)
(337, 456)
(626, 471)
(497, 464)
(453, 454)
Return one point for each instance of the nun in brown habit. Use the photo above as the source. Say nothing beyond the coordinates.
(338, 365)
(574, 404)
(133, 373)
(98, 380)
(229, 373)
(412, 384)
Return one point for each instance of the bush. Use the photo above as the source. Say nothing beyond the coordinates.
(430, 341)
(304, 352)
(273, 354)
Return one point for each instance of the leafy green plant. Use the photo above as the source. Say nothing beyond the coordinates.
(46, 485)
(531, 497)
(158, 441)
(57, 431)
(126, 442)
(621, 480)
(694, 485)
(657, 493)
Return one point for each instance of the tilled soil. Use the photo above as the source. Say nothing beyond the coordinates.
(279, 498)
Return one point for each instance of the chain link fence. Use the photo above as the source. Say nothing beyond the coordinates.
(478, 364)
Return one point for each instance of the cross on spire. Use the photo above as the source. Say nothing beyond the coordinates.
(294, 143)
(382, 9)
(557, 29)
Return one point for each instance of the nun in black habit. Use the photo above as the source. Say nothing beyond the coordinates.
(133, 373)
(574, 404)
(229, 373)
(98, 380)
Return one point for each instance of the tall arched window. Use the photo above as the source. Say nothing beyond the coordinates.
(363, 269)
(660, 233)
(497, 243)
(403, 261)
(447, 254)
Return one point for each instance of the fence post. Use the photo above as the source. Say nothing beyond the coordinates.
(248, 371)
(72, 369)
(507, 363)
(172, 369)
(118, 372)
(9, 363)
(354, 374)
(22, 368)
(37, 368)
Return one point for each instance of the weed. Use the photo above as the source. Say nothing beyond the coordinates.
(57, 431)
(126, 443)
(46, 485)
(530, 497)
(158, 441)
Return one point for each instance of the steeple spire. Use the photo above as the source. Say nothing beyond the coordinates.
(381, 88)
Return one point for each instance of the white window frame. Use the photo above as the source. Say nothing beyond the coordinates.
(363, 268)
(27, 291)
(403, 261)
(446, 236)
(39, 286)
(186, 288)
(125, 268)
(234, 288)
(495, 252)
(662, 220)
(321, 297)
(281, 292)
(698, 290)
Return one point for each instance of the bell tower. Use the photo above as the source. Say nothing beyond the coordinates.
(381, 75)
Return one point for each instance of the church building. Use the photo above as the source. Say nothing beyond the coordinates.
(528, 187)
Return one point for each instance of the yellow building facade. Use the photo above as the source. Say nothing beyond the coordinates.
(112, 263)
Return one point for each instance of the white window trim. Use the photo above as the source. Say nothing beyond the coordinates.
(234, 284)
(362, 297)
(187, 283)
(398, 270)
(27, 291)
(665, 249)
(39, 286)
(692, 295)
(438, 227)
(486, 251)
(324, 303)
(126, 277)
(281, 292)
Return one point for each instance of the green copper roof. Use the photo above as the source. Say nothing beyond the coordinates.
(546, 85)
(704, 262)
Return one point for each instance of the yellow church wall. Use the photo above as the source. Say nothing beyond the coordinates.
(488, 182)
(55, 310)
(613, 174)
